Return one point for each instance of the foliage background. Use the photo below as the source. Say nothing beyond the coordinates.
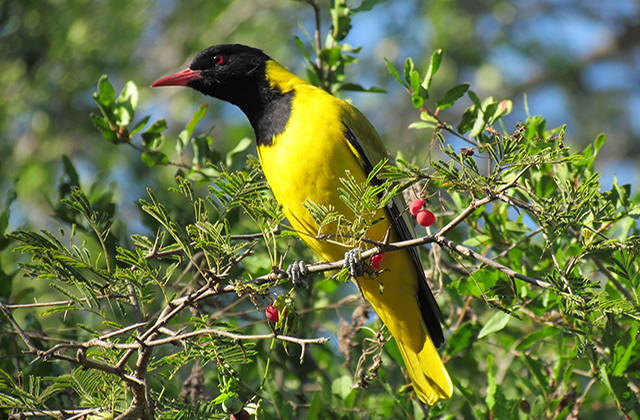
(577, 61)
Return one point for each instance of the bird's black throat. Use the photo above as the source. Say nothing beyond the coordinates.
(271, 118)
(267, 108)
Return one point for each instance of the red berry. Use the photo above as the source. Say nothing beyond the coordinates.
(376, 260)
(425, 218)
(272, 313)
(416, 206)
(242, 415)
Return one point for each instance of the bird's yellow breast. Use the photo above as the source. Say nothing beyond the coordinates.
(307, 160)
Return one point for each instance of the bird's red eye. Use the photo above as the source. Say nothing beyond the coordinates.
(218, 59)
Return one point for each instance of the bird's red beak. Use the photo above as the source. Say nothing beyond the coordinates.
(180, 78)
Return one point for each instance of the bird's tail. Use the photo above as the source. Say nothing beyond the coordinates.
(428, 374)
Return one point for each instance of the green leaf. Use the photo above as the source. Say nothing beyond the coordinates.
(470, 397)
(367, 5)
(353, 87)
(102, 125)
(619, 389)
(140, 125)
(452, 95)
(315, 408)
(106, 92)
(195, 119)
(434, 65)
(342, 386)
(12, 195)
(240, 147)
(392, 348)
(418, 95)
(420, 125)
(538, 371)
(393, 72)
(462, 338)
(153, 133)
(497, 322)
(503, 108)
(623, 352)
(468, 119)
(301, 48)
(126, 103)
(536, 337)
(534, 127)
(58, 309)
(341, 22)
(151, 158)
(495, 399)
(474, 98)
(408, 70)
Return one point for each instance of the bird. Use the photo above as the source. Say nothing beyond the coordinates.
(307, 140)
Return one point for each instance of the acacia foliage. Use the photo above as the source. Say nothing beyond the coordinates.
(532, 259)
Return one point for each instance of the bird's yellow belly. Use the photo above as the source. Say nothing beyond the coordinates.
(298, 174)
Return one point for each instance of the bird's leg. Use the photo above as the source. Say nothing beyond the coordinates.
(353, 263)
(299, 273)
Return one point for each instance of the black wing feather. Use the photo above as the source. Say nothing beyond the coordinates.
(426, 301)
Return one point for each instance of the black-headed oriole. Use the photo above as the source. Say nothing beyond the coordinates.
(306, 140)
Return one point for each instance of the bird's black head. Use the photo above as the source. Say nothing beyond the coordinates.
(231, 72)
(238, 74)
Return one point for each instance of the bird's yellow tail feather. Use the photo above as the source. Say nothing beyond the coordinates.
(428, 374)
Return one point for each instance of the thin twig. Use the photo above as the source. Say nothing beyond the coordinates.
(61, 302)
(467, 252)
(56, 413)
(13, 322)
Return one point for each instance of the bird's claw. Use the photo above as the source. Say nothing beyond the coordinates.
(353, 263)
(298, 273)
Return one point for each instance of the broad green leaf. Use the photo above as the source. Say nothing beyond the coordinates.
(151, 158)
(434, 65)
(535, 337)
(623, 353)
(469, 396)
(106, 92)
(353, 87)
(367, 5)
(342, 386)
(474, 98)
(240, 147)
(497, 322)
(495, 399)
(537, 371)
(408, 71)
(153, 132)
(534, 127)
(503, 108)
(420, 125)
(462, 338)
(140, 125)
(452, 95)
(418, 94)
(126, 103)
(315, 408)
(468, 119)
(393, 72)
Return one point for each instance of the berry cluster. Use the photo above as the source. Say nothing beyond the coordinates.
(422, 215)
